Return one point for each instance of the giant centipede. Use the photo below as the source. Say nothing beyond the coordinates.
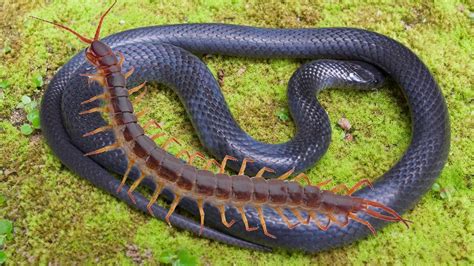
(220, 189)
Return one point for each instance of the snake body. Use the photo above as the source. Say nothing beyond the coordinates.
(162, 54)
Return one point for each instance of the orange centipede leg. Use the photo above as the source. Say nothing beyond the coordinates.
(286, 175)
(303, 176)
(95, 110)
(154, 198)
(359, 184)
(122, 59)
(211, 162)
(152, 122)
(262, 222)
(95, 98)
(285, 219)
(318, 224)
(339, 188)
(223, 219)
(359, 220)
(169, 141)
(173, 206)
(244, 219)
(325, 182)
(97, 130)
(334, 219)
(125, 176)
(157, 136)
(224, 162)
(200, 203)
(263, 170)
(244, 165)
(134, 186)
(135, 89)
(103, 149)
(94, 77)
(129, 72)
(142, 112)
(139, 98)
(299, 217)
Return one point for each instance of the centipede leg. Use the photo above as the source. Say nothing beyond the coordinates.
(262, 222)
(244, 219)
(150, 123)
(263, 170)
(134, 186)
(223, 219)
(325, 182)
(95, 110)
(359, 220)
(94, 77)
(127, 172)
(142, 112)
(97, 130)
(129, 72)
(224, 162)
(135, 89)
(359, 184)
(103, 149)
(211, 162)
(303, 176)
(339, 188)
(95, 98)
(173, 206)
(286, 175)
(154, 197)
(139, 98)
(200, 203)
(244, 165)
(334, 219)
(157, 135)
(285, 219)
(121, 59)
(169, 141)
(297, 214)
(318, 224)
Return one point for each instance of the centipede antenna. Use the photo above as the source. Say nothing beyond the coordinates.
(97, 31)
(82, 38)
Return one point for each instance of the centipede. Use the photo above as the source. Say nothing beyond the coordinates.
(308, 204)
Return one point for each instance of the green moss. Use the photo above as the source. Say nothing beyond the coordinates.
(59, 217)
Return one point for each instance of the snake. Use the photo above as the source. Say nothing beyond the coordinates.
(347, 57)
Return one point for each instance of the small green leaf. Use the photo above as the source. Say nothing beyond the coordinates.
(185, 259)
(26, 129)
(167, 257)
(6, 227)
(25, 99)
(2, 240)
(4, 84)
(3, 256)
(283, 115)
(38, 80)
(32, 115)
(436, 187)
(36, 122)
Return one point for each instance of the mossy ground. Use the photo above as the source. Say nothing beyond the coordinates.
(58, 217)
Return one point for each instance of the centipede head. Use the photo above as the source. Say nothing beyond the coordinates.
(96, 48)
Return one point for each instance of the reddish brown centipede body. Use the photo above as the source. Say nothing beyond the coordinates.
(219, 190)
